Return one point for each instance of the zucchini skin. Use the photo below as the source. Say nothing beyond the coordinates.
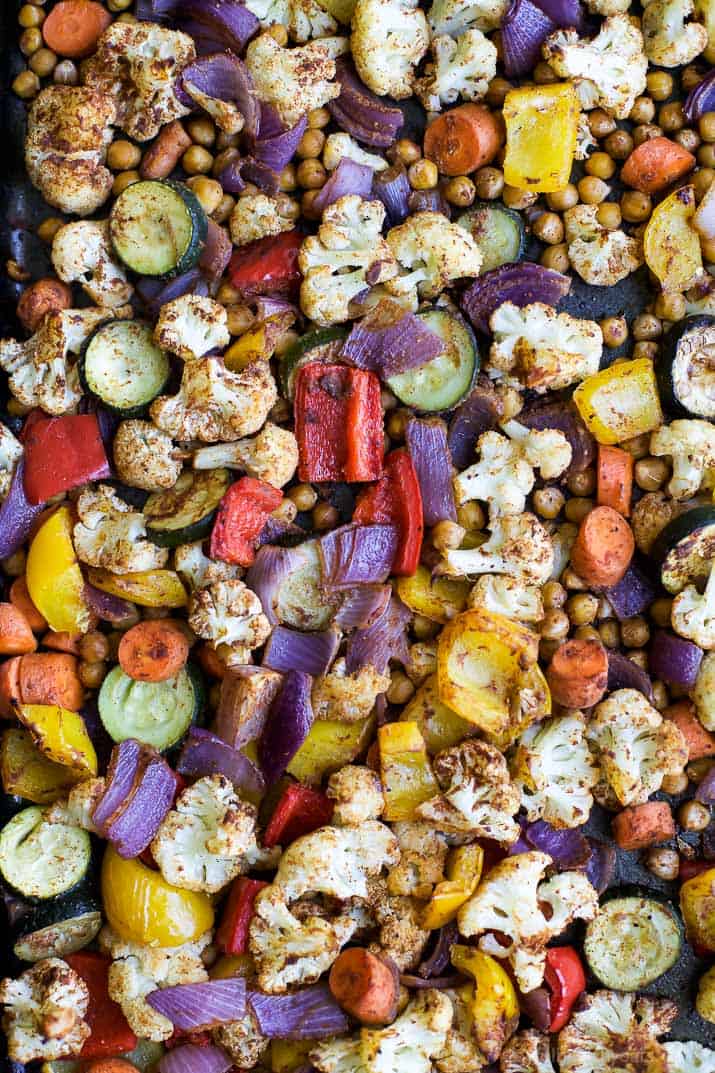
(80, 906)
(215, 484)
(199, 224)
(125, 412)
(667, 356)
(493, 208)
(678, 530)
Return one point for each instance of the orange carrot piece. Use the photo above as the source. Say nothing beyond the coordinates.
(639, 826)
(73, 27)
(209, 662)
(51, 678)
(603, 547)
(153, 651)
(364, 986)
(42, 297)
(20, 597)
(16, 637)
(578, 673)
(655, 164)
(463, 139)
(615, 479)
(62, 642)
(700, 742)
(164, 153)
(9, 686)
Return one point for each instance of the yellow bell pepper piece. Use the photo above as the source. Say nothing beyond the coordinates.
(329, 746)
(533, 703)
(287, 1055)
(697, 904)
(671, 245)
(438, 599)
(54, 579)
(464, 870)
(143, 908)
(491, 1000)
(28, 773)
(439, 725)
(249, 347)
(150, 588)
(61, 735)
(620, 402)
(407, 778)
(541, 128)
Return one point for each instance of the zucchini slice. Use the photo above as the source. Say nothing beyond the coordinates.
(443, 382)
(498, 231)
(632, 942)
(186, 512)
(685, 549)
(324, 344)
(685, 368)
(41, 860)
(122, 366)
(156, 713)
(58, 927)
(158, 228)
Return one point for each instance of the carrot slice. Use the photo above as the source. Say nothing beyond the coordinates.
(51, 678)
(700, 741)
(153, 651)
(643, 825)
(9, 686)
(578, 673)
(73, 27)
(16, 637)
(463, 139)
(62, 641)
(655, 164)
(364, 986)
(20, 597)
(603, 548)
(615, 479)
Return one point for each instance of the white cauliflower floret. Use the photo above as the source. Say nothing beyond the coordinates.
(518, 546)
(608, 7)
(110, 534)
(693, 614)
(509, 901)
(670, 40)
(69, 129)
(257, 216)
(227, 612)
(455, 16)
(507, 596)
(434, 252)
(77, 809)
(295, 80)
(341, 145)
(336, 861)
(410, 1043)
(202, 841)
(555, 771)
(690, 444)
(462, 68)
(423, 855)
(478, 798)
(346, 257)
(613, 1031)
(215, 404)
(138, 65)
(689, 1058)
(270, 456)
(545, 449)
(10, 454)
(357, 794)
(197, 570)
(44, 1012)
(348, 698)
(242, 1040)
(191, 325)
(527, 1052)
(608, 71)
(544, 349)
(302, 19)
(389, 38)
(41, 369)
(601, 256)
(82, 253)
(635, 746)
(145, 457)
(585, 141)
(401, 936)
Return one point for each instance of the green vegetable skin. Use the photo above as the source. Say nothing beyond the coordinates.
(155, 713)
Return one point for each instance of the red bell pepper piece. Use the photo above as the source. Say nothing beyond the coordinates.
(110, 1032)
(232, 934)
(268, 265)
(338, 423)
(299, 811)
(566, 980)
(242, 513)
(62, 453)
(396, 500)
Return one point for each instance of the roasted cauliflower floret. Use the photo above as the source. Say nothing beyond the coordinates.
(357, 794)
(650, 516)
(608, 7)
(10, 455)
(348, 698)
(455, 16)
(214, 404)
(635, 747)
(228, 613)
(44, 1012)
(336, 861)
(478, 798)
(242, 1040)
(389, 39)
(295, 80)
(197, 570)
(112, 535)
(423, 854)
(145, 457)
(77, 808)
(555, 771)
(670, 40)
(341, 145)
(690, 444)
(689, 1058)
(191, 326)
(507, 596)
(527, 1052)
(82, 253)
(518, 546)
(545, 449)
(257, 216)
(434, 253)
(601, 256)
(69, 129)
(614, 1031)
(509, 901)
(543, 349)
(345, 258)
(302, 19)
(693, 614)
(270, 456)
(462, 68)
(137, 65)
(401, 936)
(608, 71)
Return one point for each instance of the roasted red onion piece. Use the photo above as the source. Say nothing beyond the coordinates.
(520, 283)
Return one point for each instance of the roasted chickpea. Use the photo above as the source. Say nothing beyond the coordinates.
(460, 191)
(600, 123)
(635, 632)
(670, 117)
(30, 41)
(642, 111)
(608, 215)
(647, 326)
(675, 784)
(645, 131)
(556, 258)
(660, 85)
(497, 91)
(635, 206)
(311, 175)
(197, 160)
(123, 155)
(123, 180)
(548, 502)
(582, 483)
(447, 535)
(30, 15)
(239, 319)
(693, 816)
(592, 191)
(279, 33)
(619, 145)
(325, 516)
(582, 608)
(688, 139)
(601, 165)
(407, 151)
(311, 144)
(706, 156)
(304, 496)
(615, 331)
(610, 633)
(318, 118)
(554, 626)
(208, 192)
(400, 689)
(202, 131)
(91, 675)
(26, 85)
(670, 306)
(471, 516)
(423, 174)
(489, 183)
(94, 646)
(515, 198)
(549, 228)
(288, 183)
(564, 199)
(651, 474)
(553, 595)
(663, 863)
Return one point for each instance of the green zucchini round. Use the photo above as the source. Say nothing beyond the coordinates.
(42, 860)
(442, 383)
(685, 548)
(122, 366)
(685, 368)
(186, 511)
(498, 231)
(158, 228)
(632, 941)
(58, 927)
(155, 713)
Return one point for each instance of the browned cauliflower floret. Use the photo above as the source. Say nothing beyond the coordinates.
(198, 570)
(347, 698)
(257, 216)
(242, 1040)
(401, 936)
(191, 325)
(650, 516)
(68, 131)
(612, 1031)
(389, 39)
(357, 794)
(228, 613)
(295, 80)
(527, 1052)
(270, 456)
(602, 256)
(10, 454)
(145, 457)
(112, 535)
(44, 1012)
(82, 253)
(423, 853)
(77, 808)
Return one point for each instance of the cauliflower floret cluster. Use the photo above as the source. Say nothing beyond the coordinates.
(77, 809)
(192, 325)
(82, 253)
(670, 39)
(10, 455)
(507, 596)
(389, 38)
(357, 794)
(693, 614)
(555, 771)
(257, 216)
(601, 256)
(423, 855)
(228, 613)
(518, 546)
(455, 16)
(347, 698)
(509, 901)
(689, 1058)
(197, 570)
(270, 456)
(478, 797)
(690, 444)
(527, 1052)
(434, 252)
(543, 349)
(44, 1012)
(145, 457)
(611, 1030)
(636, 748)
(242, 1040)
(462, 68)
(341, 145)
(295, 80)
(111, 535)
(302, 19)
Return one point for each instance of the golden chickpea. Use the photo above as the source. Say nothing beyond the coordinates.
(304, 496)
(497, 91)
(600, 123)
(514, 198)
(670, 306)
(311, 144)
(489, 183)
(549, 228)
(544, 75)
(608, 215)
(645, 132)
(286, 512)
(637, 446)
(26, 85)
(592, 191)
(396, 424)
(201, 131)
(647, 326)
(224, 209)
(126, 16)
(471, 516)
(639, 656)
(239, 318)
(123, 155)
(91, 675)
(660, 610)
(407, 151)
(279, 34)
(645, 349)
(556, 258)
(548, 502)
(619, 145)
(94, 646)
(675, 784)
(661, 696)
(582, 608)
(311, 175)
(30, 15)
(226, 141)
(693, 816)
(586, 633)
(423, 174)
(564, 199)
(227, 294)
(610, 633)
(664, 863)
(582, 483)
(306, 205)
(208, 192)
(47, 230)
(223, 159)
(30, 41)
(706, 127)
(325, 516)
(577, 508)
(123, 180)
(553, 595)
(635, 206)
(706, 156)
(687, 139)
(555, 625)
(690, 77)
(447, 535)
(318, 118)
(571, 580)
(642, 111)
(288, 181)
(460, 191)
(615, 331)
(119, 5)
(660, 85)
(197, 160)
(651, 474)
(635, 632)
(600, 165)
(702, 181)
(670, 117)
(400, 689)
